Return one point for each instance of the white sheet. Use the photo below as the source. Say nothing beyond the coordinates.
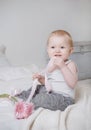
(15, 79)
(75, 117)
(13, 73)
(12, 79)
(15, 85)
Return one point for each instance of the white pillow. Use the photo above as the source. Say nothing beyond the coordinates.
(17, 72)
(82, 57)
(13, 73)
(15, 79)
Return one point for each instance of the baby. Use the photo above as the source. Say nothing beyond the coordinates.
(56, 89)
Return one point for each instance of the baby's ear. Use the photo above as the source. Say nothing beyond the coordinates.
(71, 50)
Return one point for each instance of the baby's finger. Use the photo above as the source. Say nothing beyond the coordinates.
(34, 76)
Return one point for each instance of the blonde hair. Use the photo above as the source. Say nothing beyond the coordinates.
(61, 33)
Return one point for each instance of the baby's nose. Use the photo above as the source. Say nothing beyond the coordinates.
(57, 49)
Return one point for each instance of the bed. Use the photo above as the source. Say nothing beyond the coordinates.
(14, 79)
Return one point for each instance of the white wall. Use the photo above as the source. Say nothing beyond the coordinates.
(26, 24)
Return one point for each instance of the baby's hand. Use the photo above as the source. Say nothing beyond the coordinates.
(36, 76)
(40, 78)
(51, 65)
(59, 62)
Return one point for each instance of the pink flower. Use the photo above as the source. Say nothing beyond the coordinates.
(23, 110)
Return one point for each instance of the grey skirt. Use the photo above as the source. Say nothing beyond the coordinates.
(42, 98)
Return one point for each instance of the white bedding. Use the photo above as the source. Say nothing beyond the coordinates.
(15, 79)
(13, 73)
(12, 79)
(15, 85)
(75, 117)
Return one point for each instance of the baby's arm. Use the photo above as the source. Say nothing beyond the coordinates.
(51, 66)
(69, 72)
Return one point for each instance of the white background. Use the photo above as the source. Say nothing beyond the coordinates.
(26, 24)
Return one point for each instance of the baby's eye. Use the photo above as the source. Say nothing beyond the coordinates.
(62, 47)
(52, 47)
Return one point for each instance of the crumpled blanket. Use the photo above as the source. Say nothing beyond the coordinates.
(75, 117)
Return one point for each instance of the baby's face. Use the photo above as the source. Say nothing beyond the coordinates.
(59, 47)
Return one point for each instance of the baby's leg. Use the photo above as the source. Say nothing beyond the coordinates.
(24, 94)
(51, 101)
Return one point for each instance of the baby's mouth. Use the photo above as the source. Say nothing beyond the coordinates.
(57, 55)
